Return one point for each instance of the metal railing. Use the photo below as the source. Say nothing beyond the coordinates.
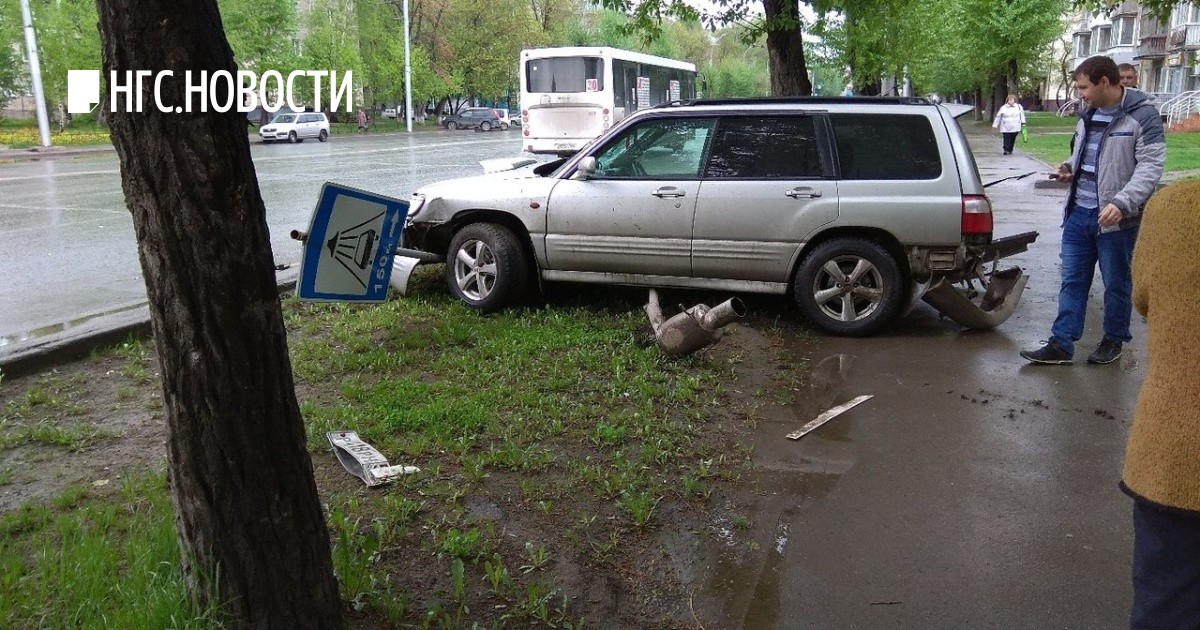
(1069, 108)
(1180, 107)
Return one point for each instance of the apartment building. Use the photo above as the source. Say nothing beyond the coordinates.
(1163, 51)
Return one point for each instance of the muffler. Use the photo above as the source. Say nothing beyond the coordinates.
(694, 328)
(997, 305)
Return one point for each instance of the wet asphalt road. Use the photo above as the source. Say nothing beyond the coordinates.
(69, 245)
(973, 491)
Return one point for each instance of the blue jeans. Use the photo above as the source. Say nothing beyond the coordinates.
(1166, 569)
(1083, 245)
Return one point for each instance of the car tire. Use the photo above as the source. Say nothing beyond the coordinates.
(292, 137)
(503, 126)
(849, 277)
(452, 125)
(486, 268)
(485, 126)
(323, 136)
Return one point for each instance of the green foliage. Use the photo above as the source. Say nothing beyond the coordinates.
(486, 40)
(331, 44)
(262, 33)
(382, 50)
(12, 68)
(68, 39)
(734, 77)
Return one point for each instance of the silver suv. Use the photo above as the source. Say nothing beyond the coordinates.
(854, 207)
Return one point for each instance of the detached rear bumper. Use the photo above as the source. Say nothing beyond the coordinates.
(999, 300)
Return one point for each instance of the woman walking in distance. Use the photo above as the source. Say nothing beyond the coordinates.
(1009, 119)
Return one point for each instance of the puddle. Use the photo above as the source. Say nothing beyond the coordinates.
(735, 562)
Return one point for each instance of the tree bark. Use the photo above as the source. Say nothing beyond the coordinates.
(251, 532)
(785, 50)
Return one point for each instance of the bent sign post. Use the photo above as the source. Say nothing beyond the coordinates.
(352, 239)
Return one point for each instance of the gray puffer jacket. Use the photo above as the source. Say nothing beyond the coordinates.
(1132, 152)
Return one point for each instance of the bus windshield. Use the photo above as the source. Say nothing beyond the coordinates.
(564, 74)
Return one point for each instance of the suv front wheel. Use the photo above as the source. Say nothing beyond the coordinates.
(850, 287)
(486, 267)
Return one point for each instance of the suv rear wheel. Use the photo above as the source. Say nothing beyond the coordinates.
(849, 286)
(323, 136)
(452, 125)
(485, 126)
(486, 267)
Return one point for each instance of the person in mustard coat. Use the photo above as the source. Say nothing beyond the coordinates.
(1162, 459)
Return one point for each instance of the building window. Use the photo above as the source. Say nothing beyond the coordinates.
(1102, 38)
(1125, 34)
(1083, 45)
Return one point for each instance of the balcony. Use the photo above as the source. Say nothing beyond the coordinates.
(1152, 47)
(1186, 37)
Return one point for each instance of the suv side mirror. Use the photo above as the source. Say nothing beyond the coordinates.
(585, 169)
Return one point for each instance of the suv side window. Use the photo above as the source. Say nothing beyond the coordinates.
(765, 147)
(886, 146)
(662, 148)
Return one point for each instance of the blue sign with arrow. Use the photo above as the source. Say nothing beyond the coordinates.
(352, 238)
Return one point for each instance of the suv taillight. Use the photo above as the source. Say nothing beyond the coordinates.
(977, 218)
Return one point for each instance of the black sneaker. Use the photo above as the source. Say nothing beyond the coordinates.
(1107, 352)
(1049, 354)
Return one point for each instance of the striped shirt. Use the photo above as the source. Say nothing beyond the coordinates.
(1086, 193)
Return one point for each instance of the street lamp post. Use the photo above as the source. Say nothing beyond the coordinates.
(35, 74)
(407, 74)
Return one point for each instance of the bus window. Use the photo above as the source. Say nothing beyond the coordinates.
(564, 74)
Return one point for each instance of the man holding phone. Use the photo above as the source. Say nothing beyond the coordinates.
(1114, 167)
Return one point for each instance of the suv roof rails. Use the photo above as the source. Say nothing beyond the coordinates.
(817, 100)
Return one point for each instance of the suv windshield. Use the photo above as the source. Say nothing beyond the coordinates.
(284, 118)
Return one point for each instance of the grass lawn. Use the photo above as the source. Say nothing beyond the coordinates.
(555, 452)
(1050, 139)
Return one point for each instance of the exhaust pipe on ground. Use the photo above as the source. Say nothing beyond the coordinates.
(695, 328)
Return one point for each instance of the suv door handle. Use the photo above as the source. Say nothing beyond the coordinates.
(669, 192)
(803, 193)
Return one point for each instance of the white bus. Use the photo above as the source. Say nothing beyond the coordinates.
(571, 95)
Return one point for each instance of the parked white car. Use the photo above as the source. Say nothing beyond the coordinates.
(295, 127)
(389, 112)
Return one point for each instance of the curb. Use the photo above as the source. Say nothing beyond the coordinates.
(35, 355)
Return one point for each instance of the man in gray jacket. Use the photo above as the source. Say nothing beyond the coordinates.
(1115, 166)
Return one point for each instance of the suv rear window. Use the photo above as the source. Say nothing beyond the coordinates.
(768, 147)
(886, 146)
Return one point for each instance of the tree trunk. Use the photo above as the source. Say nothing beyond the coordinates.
(785, 50)
(251, 532)
(1014, 79)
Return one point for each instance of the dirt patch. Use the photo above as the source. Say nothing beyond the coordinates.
(92, 421)
(95, 421)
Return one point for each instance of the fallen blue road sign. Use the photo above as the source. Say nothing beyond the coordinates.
(351, 241)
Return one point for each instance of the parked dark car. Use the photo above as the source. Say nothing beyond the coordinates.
(481, 118)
